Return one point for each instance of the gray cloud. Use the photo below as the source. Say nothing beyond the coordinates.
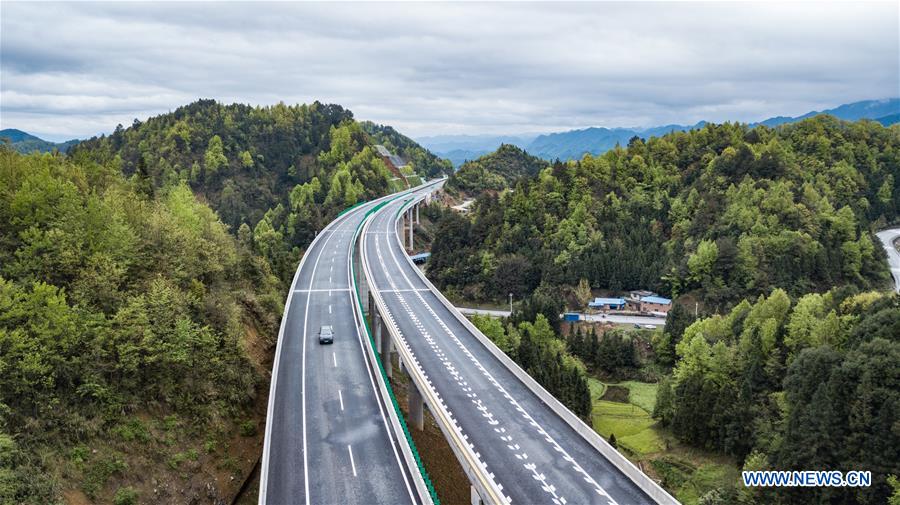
(78, 69)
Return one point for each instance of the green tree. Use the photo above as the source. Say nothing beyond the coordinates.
(214, 158)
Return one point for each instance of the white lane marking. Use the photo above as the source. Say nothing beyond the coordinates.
(334, 358)
(370, 370)
(352, 464)
(329, 279)
(549, 488)
(303, 369)
(329, 308)
(264, 467)
(341, 398)
(320, 290)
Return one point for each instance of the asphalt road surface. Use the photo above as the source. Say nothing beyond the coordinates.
(533, 453)
(327, 439)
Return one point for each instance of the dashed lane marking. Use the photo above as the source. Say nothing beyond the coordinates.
(352, 464)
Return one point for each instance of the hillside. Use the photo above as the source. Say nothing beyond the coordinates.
(495, 171)
(126, 323)
(793, 364)
(889, 119)
(25, 142)
(422, 161)
(278, 173)
(727, 211)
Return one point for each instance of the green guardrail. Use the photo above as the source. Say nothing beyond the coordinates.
(348, 209)
(387, 382)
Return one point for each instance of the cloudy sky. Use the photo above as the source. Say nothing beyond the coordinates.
(78, 69)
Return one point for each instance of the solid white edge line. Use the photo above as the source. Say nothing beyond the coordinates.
(264, 465)
(312, 278)
(472, 460)
(394, 437)
(273, 385)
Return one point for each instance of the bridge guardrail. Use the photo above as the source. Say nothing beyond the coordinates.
(648, 485)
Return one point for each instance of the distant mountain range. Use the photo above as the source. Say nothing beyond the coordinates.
(574, 144)
(25, 142)
(460, 148)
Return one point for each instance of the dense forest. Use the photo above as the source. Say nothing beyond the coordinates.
(278, 173)
(771, 229)
(723, 212)
(781, 384)
(123, 318)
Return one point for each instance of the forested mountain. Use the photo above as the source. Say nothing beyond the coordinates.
(124, 323)
(772, 229)
(495, 171)
(278, 173)
(726, 212)
(136, 274)
(426, 164)
(26, 143)
(780, 385)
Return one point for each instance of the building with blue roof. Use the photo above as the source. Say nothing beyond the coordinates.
(420, 258)
(655, 304)
(607, 303)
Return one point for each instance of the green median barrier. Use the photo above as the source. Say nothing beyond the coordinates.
(387, 382)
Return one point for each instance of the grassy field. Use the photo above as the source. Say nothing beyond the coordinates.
(597, 388)
(631, 424)
(642, 394)
(687, 473)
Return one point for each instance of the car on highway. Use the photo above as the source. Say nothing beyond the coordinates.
(326, 335)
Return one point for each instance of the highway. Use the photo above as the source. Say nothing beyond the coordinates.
(528, 449)
(328, 436)
(887, 238)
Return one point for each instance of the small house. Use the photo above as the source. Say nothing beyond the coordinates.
(655, 305)
(607, 303)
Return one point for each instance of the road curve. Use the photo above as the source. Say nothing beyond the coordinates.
(887, 238)
(529, 450)
(328, 439)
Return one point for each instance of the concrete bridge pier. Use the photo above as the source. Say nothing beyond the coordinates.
(416, 406)
(386, 350)
(378, 328)
(475, 499)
